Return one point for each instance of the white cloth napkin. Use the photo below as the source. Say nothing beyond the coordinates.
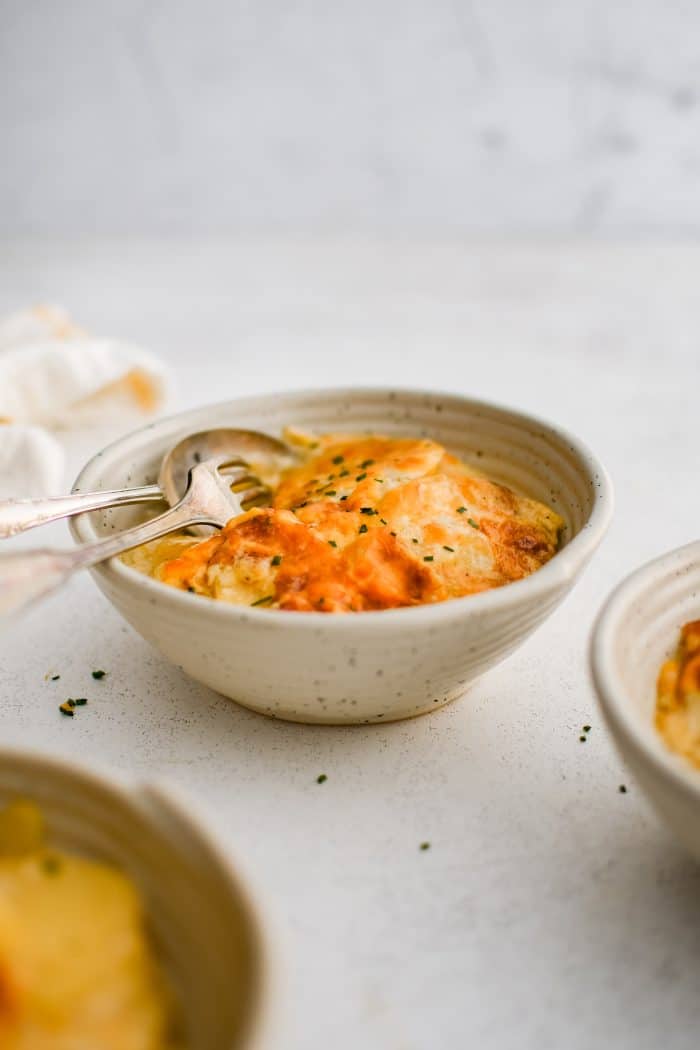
(54, 374)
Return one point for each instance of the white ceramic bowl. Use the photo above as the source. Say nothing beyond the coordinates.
(203, 919)
(357, 667)
(636, 631)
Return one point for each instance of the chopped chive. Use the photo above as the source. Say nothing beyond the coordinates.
(474, 524)
(55, 677)
(414, 541)
(331, 492)
(622, 789)
(277, 560)
(428, 557)
(424, 846)
(360, 477)
(343, 498)
(368, 510)
(344, 474)
(461, 510)
(446, 548)
(97, 675)
(338, 459)
(80, 701)
(332, 543)
(321, 778)
(363, 528)
(586, 729)
(262, 601)
(392, 533)
(384, 521)
(582, 739)
(366, 463)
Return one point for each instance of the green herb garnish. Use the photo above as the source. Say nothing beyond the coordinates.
(97, 675)
(622, 789)
(277, 560)
(55, 677)
(366, 463)
(428, 557)
(474, 524)
(338, 459)
(363, 528)
(332, 543)
(331, 492)
(321, 778)
(368, 510)
(446, 548)
(425, 845)
(360, 477)
(461, 510)
(262, 601)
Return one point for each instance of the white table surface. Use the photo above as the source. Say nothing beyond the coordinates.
(551, 910)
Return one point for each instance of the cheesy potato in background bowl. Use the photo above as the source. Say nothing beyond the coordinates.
(182, 961)
(372, 665)
(633, 644)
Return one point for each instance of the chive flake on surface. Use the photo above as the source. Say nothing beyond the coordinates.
(343, 498)
(582, 739)
(363, 528)
(338, 459)
(622, 789)
(474, 524)
(332, 543)
(428, 557)
(446, 548)
(98, 675)
(344, 473)
(367, 510)
(277, 560)
(79, 701)
(262, 601)
(321, 778)
(424, 846)
(55, 677)
(461, 510)
(384, 521)
(414, 541)
(360, 477)
(331, 492)
(586, 729)
(392, 533)
(366, 463)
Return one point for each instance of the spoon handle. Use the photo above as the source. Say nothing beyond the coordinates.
(18, 515)
(29, 575)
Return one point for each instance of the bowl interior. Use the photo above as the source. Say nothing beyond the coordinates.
(516, 450)
(199, 918)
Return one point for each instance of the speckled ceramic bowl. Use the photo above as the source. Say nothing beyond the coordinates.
(637, 630)
(205, 925)
(357, 667)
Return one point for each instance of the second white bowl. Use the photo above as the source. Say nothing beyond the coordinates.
(637, 630)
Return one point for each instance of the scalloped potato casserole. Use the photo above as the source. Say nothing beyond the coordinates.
(678, 696)
(364, 523)
(77, 971)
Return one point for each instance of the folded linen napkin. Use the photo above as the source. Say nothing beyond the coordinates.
(54, 374)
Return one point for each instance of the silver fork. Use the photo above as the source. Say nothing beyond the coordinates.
(209, 500)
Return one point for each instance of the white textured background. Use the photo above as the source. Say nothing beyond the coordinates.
(448, 115)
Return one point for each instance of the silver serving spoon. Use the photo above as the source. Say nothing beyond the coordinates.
(217, 490)
(223, 444)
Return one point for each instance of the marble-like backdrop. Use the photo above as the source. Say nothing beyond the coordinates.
(442, 115)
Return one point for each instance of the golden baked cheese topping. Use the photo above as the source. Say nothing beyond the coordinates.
(678, 696)
(366, 523)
